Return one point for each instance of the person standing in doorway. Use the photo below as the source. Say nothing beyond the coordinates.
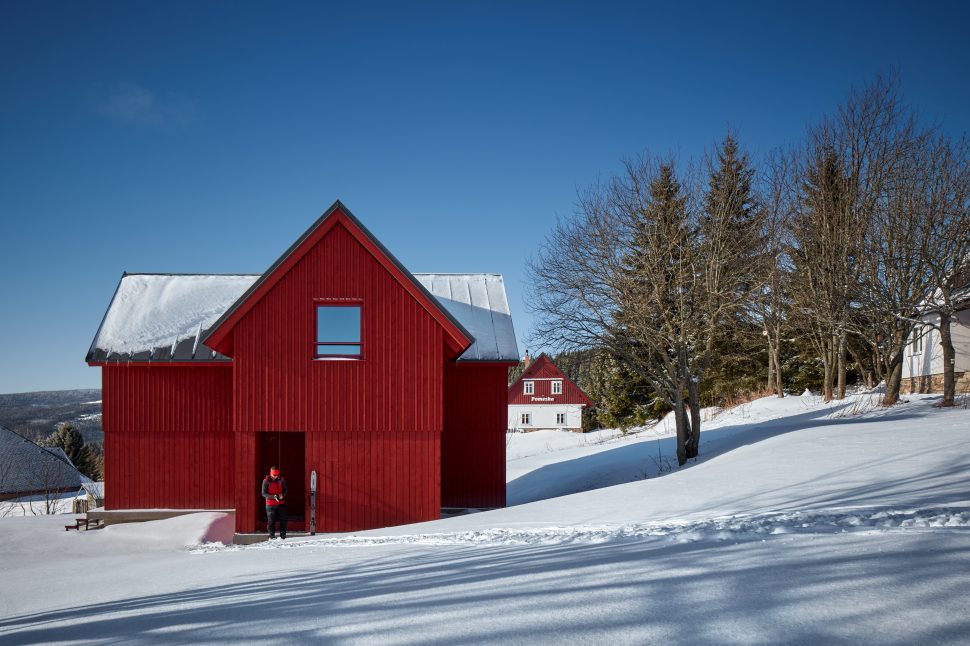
(274, 491)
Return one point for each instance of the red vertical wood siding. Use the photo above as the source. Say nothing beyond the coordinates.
(368, 480)
(393, 437)
(167, 437)
(373, 425)
(473, 442)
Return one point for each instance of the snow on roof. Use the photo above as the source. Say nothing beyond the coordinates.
(94, 489)
(479, 303)
(156, 313)
(160, 317)
(26, 467)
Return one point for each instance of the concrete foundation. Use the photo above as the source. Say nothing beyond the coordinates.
(117, 516)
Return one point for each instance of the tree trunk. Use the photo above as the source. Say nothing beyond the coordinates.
(774, 364)
(829, 370)
(841, 366)
(694, 443)
(681, 419)
(877, 363)
(771, 364)
(949, 359)
(779, 387)
(894, 380)
(861, 366)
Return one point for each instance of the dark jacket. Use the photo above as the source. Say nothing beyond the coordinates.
(272, 488)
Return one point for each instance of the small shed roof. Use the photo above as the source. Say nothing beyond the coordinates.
(161, 317)
(26, 466)
(94, 489)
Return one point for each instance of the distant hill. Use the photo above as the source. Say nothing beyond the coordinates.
(35, 415)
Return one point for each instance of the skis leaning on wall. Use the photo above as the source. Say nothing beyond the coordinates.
(313, 503)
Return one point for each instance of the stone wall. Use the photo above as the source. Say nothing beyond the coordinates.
(934, 383)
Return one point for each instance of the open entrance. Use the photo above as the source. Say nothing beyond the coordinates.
(286, 450)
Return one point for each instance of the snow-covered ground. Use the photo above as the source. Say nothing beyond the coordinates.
(801, 523)
(38, 505)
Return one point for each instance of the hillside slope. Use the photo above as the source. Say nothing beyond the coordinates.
(35, 415)
(802, 523)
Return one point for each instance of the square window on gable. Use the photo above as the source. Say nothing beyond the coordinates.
(528, 387)
(338, 332)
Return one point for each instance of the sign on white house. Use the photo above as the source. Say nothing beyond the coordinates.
(545, 398)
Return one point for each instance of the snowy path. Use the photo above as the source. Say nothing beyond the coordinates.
(736, 528)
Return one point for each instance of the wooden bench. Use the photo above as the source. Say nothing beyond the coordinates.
(78, 522)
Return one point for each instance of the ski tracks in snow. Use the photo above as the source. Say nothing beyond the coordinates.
(733, 528)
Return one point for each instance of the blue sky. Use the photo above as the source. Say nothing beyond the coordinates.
(205, 137)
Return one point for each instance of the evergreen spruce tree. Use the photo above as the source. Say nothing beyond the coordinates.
(94, 459)
(731, 210)
(730, 199)
(825, 280)
(69, 439)
(516, 371)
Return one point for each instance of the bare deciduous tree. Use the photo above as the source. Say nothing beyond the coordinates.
(862, 234)
(773, 303)
(947, 204)
(653, 275)
(826, 235)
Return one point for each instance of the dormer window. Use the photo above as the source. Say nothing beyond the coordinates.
(338, 331)
(556, 387)
(529, 387)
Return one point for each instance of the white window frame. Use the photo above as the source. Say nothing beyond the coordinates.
(917, 346)
(529, 387)
(526, 419)
(557, 387)
(560, 419)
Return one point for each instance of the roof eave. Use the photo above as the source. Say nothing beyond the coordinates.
(92, 349)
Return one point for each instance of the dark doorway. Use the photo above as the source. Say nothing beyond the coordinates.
(286, 450)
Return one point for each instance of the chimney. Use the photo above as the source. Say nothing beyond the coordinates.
(526, 359)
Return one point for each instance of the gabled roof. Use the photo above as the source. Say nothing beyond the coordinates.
(27, 467)
(165, 317)
(219, 336)
(542, 367)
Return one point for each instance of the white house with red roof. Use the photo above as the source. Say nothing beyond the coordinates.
(545, 398)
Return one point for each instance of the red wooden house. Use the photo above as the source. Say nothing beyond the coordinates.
(545, 398)
(390, 385)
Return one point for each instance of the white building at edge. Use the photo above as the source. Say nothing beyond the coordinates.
(545, 398)
(923, 357)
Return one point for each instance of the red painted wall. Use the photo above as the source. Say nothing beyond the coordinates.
(368, 405)
(371, 480)
(388, 445)
(167, 437)
(543, 370)
(473, 442)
